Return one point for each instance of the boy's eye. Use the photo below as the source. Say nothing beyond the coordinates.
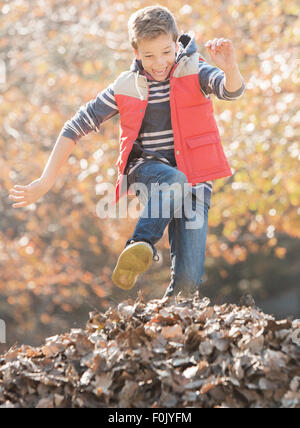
(149, 56)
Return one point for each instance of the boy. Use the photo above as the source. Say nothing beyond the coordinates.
(168, 136)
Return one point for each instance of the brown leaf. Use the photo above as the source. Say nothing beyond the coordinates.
(210, 383)
(102, 383)
(45, 403)
(172, 332)
(173, 352)
(205, 315)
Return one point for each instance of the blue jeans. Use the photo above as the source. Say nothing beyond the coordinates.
(183, 211)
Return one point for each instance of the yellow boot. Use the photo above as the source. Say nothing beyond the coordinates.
(135, 259)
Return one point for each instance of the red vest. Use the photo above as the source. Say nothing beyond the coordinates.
(197, 144)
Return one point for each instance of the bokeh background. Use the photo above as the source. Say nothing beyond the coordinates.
(57, 256)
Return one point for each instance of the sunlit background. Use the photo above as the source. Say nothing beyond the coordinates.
(57, 256)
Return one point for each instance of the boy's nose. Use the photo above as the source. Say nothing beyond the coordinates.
(160, 62)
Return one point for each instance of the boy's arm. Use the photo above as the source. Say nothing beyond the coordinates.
(233, 79)
(215, 81)
(223, 80)
(60, 153)
(32, 192)
(87, 119)
(92, 115)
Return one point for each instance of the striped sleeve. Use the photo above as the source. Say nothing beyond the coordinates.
(90, 116)
(212, 81)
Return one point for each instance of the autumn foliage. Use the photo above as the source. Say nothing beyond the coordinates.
(160, 354)
(57, 256)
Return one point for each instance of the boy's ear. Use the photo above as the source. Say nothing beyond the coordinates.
(136, 53)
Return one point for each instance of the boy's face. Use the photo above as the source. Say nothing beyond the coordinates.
(157, 55)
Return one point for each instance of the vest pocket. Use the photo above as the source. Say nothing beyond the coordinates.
(202, 140)
(205, 154)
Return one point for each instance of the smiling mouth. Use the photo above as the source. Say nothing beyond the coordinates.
(160, 72)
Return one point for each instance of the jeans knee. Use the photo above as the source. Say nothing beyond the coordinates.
(180, 178)
(173, 184)
(176, 184)
(173, 176)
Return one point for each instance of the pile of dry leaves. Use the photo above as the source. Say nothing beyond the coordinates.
(173, 352)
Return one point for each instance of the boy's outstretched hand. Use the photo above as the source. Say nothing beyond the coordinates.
(26, 195)
(222, 53)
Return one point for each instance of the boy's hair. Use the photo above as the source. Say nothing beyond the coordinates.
(149, 23)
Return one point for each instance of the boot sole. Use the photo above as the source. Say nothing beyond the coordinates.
(134, 260)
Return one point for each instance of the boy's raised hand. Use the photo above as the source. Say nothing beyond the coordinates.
(222, 53)
(26, 195)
